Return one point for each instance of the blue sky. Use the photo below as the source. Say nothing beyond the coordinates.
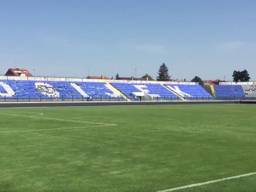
(209, 38)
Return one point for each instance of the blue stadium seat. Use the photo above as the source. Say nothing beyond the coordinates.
(229, 92)
(27, 89)
(100, 90)
(153, 90)
(190, 91)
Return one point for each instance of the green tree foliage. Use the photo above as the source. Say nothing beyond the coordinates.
(241, 76)
(117, 76)
(197, 80)
(163, 74)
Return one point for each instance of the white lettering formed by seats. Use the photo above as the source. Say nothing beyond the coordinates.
(144, 89)
(177, 90)
(79, 90)
(47, 89)
(9, 91)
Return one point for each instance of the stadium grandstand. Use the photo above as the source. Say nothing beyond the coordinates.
(27, 88)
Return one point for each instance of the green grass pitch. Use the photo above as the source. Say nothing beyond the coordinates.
(127, 148)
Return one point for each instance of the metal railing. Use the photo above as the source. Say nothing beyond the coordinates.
(118, 99)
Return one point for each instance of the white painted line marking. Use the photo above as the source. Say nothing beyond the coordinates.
(47, 129)
(208, 182)
(59, 119)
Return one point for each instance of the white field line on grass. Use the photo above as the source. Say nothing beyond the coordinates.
(41, 116)
(208, 182)
(47, 129)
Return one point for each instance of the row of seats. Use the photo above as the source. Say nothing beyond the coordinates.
(229, 92)
(29, 89)
(135, 91)
(190, 91)
(26, 89)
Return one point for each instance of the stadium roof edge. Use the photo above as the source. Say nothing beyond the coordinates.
(19, 78)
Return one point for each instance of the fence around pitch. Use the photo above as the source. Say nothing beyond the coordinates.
(95, 99)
